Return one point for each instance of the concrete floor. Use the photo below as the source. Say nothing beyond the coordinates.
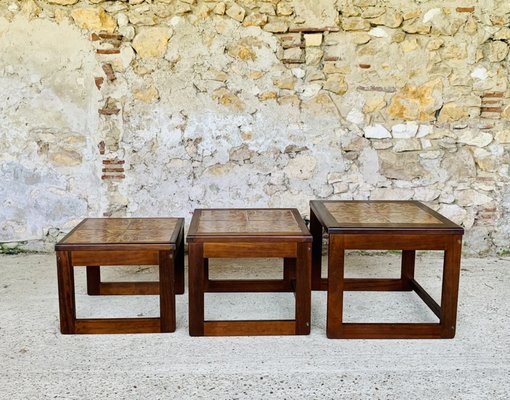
(37, 362)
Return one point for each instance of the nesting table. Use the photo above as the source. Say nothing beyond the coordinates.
(97, 242)
(385, 225)
(249, 233)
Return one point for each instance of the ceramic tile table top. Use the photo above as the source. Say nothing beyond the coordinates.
(385, 225)
(249, 233)
(97, 242)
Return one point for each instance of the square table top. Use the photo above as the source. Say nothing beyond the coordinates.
(381, 216)
(247, 223)
(108, 233)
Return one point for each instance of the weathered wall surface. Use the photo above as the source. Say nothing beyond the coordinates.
(157, 107)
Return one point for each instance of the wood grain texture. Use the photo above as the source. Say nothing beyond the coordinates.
(249, 250)
(379, 213)
(238, 223)
(67, 306)
(381, 217)
(125, 230)
(108, 233)
(250, 328)
(118, 325)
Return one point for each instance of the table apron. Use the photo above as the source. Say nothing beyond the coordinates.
(250, 250)
(397, 242)
(105, 258)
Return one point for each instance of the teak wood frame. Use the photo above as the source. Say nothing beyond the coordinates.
(296, 252)
(447, 240)
(170, 259)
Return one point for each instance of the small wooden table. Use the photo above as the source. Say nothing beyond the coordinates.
(385, 225)
(99, 242)
(249, 233)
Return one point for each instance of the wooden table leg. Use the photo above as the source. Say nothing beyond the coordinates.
(196, 271)
(289, 272)
(316, 231)
(167, 291)
(67, 305)
(303, 288)
(450, 290)
(407, 270)
(179, 265)
(336, 254)
(93, 280)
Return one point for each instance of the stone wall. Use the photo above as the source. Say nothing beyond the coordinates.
(156, 107)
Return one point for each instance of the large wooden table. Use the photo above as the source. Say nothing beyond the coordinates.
(385, 225)
(99, 242)
(245, 233)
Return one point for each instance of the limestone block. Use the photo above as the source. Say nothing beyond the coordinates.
(372, 12)
(94, 19)
(285, 83)
(301, 167)
(284, 9)
(268, 96)
(404, 131)
(459, 165)
(425, 194)
(360, 38)
(405, 166)
(182, 7)
(452, 112)
(236, 12)
(391, 194)
(336, 83)
(147, 19)
(63, 2)
(453, 212)
(276, 27)
(402, 145)
(152, 42)
(30, 9)
(355, 24)
(148, 95)
(293, 54)
(313, 56)
(391, 18)
(417, 103)
(291, 39)
(220, 8)
(503, 136)
(229, 99)
(417, 27)
(377, 131)
(502, 34)
(474, 138)
(471, 197)
(267, 8)
(374, 104)
(498, 50)
(255, 19)
(313, 39)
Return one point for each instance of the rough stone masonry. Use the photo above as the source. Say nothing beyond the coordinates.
(156, 107)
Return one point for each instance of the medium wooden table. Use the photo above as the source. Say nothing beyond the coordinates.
(385, 225)
(99, 242)
(245, 233)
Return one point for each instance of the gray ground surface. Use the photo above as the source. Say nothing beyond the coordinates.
(37, 362)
